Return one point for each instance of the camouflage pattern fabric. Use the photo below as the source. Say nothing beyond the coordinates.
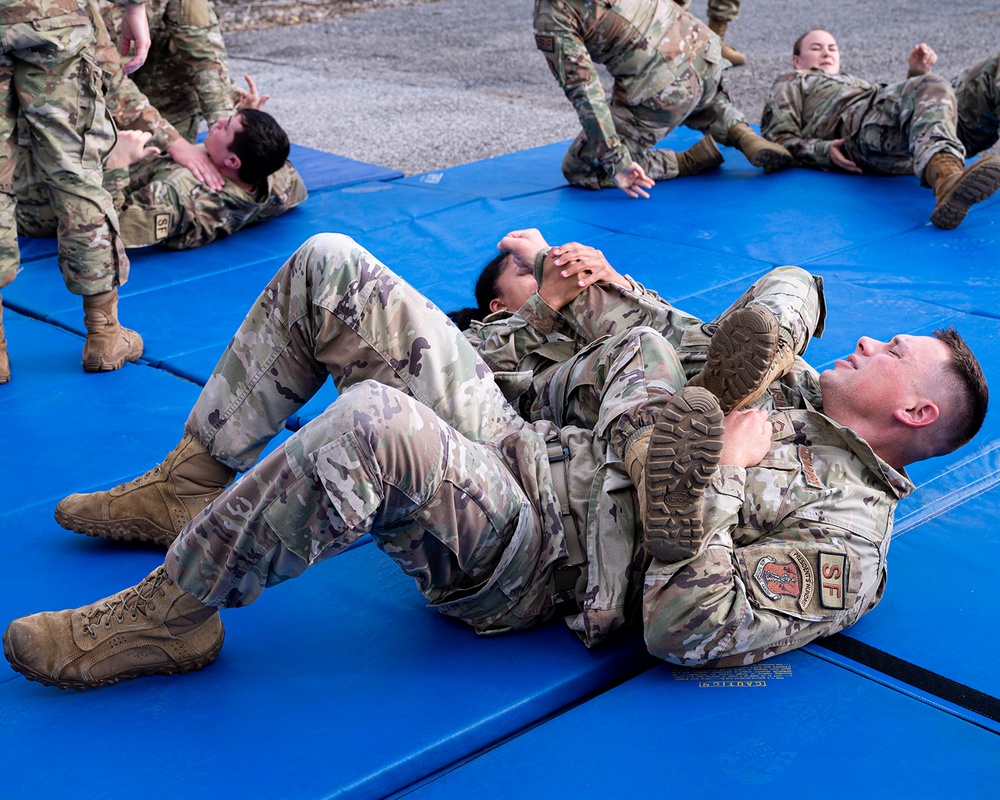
(525, 348)
(888, 130)
(186, 76)
(161, 202)
(47, 73)
(674, 82)
(978, 98)
(727, 10)
(432, 461)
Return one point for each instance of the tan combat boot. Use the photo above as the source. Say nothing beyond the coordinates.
(957, 188)
(730, 53)
(683, 453)
(747, 352)
(4, 358)
(154, 507)
(108, 345)
(702, 157)
(153, 628)
(760, 152)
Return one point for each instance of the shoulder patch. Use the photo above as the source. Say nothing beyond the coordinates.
(545, 42)
(833, 580)
(162, 226)
(791, 579)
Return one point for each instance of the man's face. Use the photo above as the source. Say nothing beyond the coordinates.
(879, 378)
(220, 138)
(818, 51)
(514, 287)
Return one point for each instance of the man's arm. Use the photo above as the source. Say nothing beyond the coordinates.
(558, 37)
(134, 35)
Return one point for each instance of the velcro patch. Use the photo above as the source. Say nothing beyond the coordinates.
(790, 579)
(833, 580)
(545, 43)
(808, 469)
(162, 226)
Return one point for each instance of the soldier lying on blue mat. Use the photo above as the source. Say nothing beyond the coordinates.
(923, 125)
(629, 497)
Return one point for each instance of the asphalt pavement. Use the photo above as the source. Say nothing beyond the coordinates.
(444, 82)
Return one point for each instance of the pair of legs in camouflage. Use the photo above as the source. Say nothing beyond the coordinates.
(977, 92)
(48, 74)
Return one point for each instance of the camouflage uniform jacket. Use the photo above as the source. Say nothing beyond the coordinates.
(162, 203)
(807, 109)
(645, 45)
(796, 545)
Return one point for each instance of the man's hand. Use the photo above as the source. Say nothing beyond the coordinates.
(839, 160)
(129, 149)
(921, 59)
(746, 438)
(135, 32)
(586, 264)
(634, 181)
(252, 98)
(196, 159)
(523, 246)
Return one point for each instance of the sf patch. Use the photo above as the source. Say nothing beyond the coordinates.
(833, 580)
(545, 42)
(161, 226)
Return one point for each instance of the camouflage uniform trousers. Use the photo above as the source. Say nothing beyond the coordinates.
(46, 72)
(694, 100)
(186, 75)
(978, 98)
(574, 393)
(727, 10)
(907, 124)
(420, 450)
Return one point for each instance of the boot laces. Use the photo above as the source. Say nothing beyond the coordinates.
(135, 601)
(146, 477)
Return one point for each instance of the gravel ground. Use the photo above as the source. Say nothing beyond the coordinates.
(422, 85)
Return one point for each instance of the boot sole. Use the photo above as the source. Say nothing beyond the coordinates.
(772, 160)
(173, 668)
(684, 451)
(118, 530)
(739, 359)
(979, 184)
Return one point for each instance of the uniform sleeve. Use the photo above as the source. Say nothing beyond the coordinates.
(161, 212)
(286, 189)
(730, 605)
(196, 35)
(506, 340)
(558, 36)
(782, 122)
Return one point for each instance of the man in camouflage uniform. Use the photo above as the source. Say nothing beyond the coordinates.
(720, 14)
(48, 73)
(186, 76)
(161, 202)
(831, 120)
(422, 452)
(667, 67)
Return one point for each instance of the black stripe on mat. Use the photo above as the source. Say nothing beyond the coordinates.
(917, 677)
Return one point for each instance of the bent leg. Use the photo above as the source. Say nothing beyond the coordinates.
(333, 308)
(446, 509)
(978, 98)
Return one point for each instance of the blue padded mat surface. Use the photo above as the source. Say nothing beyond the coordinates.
(349, 656)
(783, 723)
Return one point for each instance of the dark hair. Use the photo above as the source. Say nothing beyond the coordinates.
(486, 291)
(973, 396)
(797, 47)
(262, 146)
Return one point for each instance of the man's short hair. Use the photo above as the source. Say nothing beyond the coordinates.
(972, 395)
(262, 146)
(797, 47)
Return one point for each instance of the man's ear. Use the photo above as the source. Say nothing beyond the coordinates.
(232, 161)
(796, 62)
(920, 414)
(496, 304)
